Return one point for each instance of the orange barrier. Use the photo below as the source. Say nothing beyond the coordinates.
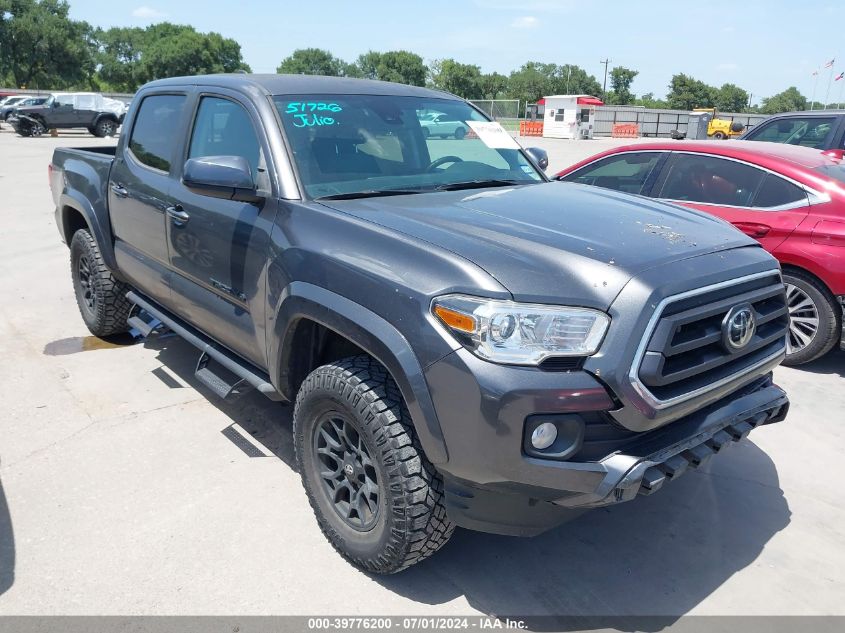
(625, 130)
(531, 128)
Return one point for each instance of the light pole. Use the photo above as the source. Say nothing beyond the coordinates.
(605, 61)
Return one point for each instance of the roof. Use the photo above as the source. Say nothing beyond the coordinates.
(274, 84)
(749, 150)
(810, 113)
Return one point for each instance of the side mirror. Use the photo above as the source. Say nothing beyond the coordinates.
(539, 156)
(227, 177)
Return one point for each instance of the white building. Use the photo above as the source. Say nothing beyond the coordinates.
(569, 116)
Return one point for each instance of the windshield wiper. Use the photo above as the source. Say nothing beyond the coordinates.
(369, 193)
(480, 184)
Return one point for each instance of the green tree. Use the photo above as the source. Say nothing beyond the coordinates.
(648, 101)
(41, 47)
(313, 61)
(621, 79)
(686, 93)
(731, 98)
(460, 79)
(398, 66)
(789, 100)
(493, 86)
(534, 80)
(129, 57)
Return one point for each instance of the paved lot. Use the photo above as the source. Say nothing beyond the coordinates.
(120, 494)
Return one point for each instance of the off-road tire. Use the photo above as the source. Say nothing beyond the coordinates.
(106, 313)
(829, 315)
(411, 523)
(105, 127)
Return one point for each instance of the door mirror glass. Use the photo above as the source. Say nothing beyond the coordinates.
(227, 177)
(539, 156)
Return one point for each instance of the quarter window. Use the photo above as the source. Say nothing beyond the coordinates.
(156, 130)
(777, 192)
(711, 180)
(627, 172)
(223, 128)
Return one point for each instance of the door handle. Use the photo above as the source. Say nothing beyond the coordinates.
(753, 229)
(179, 216)
(119, 190)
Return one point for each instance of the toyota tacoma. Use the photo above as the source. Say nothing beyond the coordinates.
(466, 343)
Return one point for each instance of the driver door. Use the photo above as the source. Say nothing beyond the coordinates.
(61, 112)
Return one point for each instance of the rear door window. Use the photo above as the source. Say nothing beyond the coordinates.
(710, 180)
(628, 172)
(811, 131)
(157, 130)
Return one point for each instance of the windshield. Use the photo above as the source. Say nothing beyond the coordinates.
(365, 144)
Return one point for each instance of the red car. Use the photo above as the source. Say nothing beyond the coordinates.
(789, 198)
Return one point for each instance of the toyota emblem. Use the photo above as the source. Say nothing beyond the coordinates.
(738, 327)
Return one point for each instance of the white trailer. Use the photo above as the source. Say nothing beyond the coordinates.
(569, 116)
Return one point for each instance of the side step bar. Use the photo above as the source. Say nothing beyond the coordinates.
(247, 374)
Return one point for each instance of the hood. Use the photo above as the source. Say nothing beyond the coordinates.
(553, 242)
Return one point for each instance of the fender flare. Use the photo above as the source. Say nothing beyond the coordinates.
(371, 333)
(73, 199)
(105, 115)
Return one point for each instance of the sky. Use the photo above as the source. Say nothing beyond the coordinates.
(762, 46)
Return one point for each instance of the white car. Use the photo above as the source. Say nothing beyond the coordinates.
(442, 125)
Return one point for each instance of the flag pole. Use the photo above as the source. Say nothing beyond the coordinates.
(829, 81)
(841, 90)
(815, 83)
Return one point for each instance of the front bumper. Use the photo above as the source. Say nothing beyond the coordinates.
(491, 485)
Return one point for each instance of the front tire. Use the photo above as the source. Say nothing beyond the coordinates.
(101, 298)
(718, 136)
(814, 319)
(376, 497)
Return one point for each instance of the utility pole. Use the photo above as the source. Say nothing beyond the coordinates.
(605, 61)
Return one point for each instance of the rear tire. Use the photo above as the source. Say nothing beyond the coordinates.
(105, 127)
(101, 298)
(815, 321)
(376, 497)
(718, 136)
(460, 133)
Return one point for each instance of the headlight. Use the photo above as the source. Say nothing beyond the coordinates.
(520, 333)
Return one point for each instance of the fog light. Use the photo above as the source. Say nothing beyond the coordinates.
(544, 436)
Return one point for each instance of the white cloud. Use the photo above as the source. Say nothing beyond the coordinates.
(525, 22)
(148, 13)
(727, 66)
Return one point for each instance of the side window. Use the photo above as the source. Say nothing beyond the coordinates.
(156, 130)
(776, 192)
(806, 131)
(65, 101)
(627, 172)
(86, 102)
(711, 180)
(223, 128)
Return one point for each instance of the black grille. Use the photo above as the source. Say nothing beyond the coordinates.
(562, 363)
(686, 353)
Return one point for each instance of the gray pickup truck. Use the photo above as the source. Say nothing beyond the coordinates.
(466, 342)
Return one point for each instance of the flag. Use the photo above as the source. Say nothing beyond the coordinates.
(830, 63)
(839, 76)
